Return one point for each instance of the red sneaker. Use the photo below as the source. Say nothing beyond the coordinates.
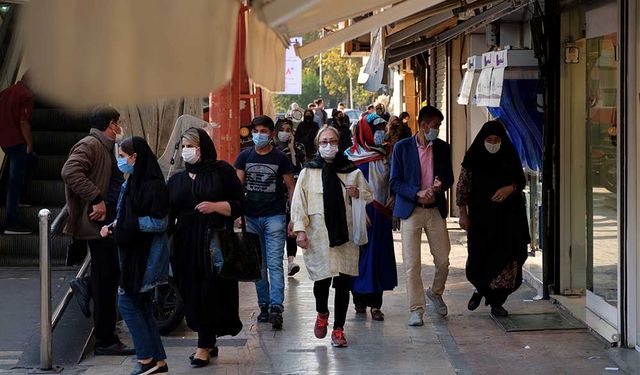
(337, 338)
(320, 329)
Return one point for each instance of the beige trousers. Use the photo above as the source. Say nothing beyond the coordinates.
(429, 220)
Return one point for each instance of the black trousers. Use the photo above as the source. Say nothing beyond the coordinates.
(292, 246)
(373, 300)
(105, 271)
(341, 301)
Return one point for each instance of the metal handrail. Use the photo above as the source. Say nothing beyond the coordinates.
(48, 322)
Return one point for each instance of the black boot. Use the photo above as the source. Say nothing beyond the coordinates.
(475, 300)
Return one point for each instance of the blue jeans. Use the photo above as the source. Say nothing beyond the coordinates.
(21, 166)
(272, 232)
(137, 312)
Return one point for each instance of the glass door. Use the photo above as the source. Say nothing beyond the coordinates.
(602, 178)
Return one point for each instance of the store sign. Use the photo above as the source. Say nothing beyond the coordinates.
(293, 69)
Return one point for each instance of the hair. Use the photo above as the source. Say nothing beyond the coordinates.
(429, 113)
(311, 105)
(262, 120)
(192, 136)
(318, 101)
(341, 104)
(371, 106)
(395, 119)
(380, 105)
(322, 130)
(101, 117)
(404, 115)
(127, 146)
(282, 122)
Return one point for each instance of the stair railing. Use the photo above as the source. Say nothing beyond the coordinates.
(48, 322)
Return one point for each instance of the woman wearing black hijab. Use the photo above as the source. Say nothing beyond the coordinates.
(141, 222)
(306, 134)
(204, 200)
(490, 186)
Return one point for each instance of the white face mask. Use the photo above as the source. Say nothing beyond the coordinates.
(283, 136)
(492, 148)
(432, 134)
(328, 151)
(189, 155)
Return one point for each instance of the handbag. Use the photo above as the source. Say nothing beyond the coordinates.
(242, 255)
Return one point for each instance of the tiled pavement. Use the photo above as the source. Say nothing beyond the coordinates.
(463, 343)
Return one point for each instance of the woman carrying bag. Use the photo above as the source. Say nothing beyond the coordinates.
(323, 222)
(205, 199)
(139, 230)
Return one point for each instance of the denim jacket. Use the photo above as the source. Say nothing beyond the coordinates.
(157, 271)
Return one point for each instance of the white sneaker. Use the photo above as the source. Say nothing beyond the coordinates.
(292, 269)
(438, 302)
(415, 319)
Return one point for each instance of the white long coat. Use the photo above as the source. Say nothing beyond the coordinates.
(307, 215)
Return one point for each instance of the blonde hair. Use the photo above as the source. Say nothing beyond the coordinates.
(322, 130)
(192, 136)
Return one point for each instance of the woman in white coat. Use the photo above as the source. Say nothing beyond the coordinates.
(322, 219)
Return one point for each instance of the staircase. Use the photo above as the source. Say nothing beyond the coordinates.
(54, 133)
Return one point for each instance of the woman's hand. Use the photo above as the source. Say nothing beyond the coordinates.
(464, 221)
(207, 207)
(104, 232)
(352, 191)
(301, 240)
(503, 193)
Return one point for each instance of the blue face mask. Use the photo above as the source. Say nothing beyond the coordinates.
(378, 137)
(124, 166)
(432, 134)
(260, 139)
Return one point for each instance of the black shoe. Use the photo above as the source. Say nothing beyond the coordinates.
(17, 229)
(499, 311)
(276, 317)
(474, 302)
(149, 368)
(82, 290)
(212, 353)
(197, 362)
(361, 309)
(264, 314)
(114, 349)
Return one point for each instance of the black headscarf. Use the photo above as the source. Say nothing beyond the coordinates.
(146, 195)
(208, 163)
(332, 196)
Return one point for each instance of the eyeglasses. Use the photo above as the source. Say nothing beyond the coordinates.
(332, 142)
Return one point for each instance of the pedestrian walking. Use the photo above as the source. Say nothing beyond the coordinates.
(377, 265)
(306, 134)
(323, 222)
(267, 176)
(320, 113)
(493, 212)
(92, 186)
(285, 141)
(140, 234)
(204, 200)
(421, 172)
(341, 122)
(16, 109)
(405, 130)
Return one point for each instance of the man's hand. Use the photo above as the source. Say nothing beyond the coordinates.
(301, 240)
(206, 207)
(437, 185)
(502, 193)
(29, 148)
(390, 202)
(99, 212)
(426, 196)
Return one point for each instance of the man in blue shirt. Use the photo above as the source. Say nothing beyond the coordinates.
(265, 171)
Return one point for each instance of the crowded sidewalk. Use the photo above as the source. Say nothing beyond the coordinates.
(463, 343)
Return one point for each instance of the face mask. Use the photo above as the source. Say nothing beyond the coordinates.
(260, 139)
(405, 121)
(328, 152)
(308, 118)
(124, 166)
(492, 148)
(189, 155)
(378, 137)
(432, 134)
(283, 136)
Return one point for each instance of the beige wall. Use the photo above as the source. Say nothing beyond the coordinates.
(457, 114)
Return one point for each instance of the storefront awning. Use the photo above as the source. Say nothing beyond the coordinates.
(389, 15)
(265, 55)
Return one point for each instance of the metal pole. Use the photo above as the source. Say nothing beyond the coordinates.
(45, 292)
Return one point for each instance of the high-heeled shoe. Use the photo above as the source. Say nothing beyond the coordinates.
(474, 302)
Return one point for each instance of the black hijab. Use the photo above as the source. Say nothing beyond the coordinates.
(332, 196)
(492, 171)
(208, 163)
(146, 195)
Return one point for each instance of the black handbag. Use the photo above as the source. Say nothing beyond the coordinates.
(242, 255)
